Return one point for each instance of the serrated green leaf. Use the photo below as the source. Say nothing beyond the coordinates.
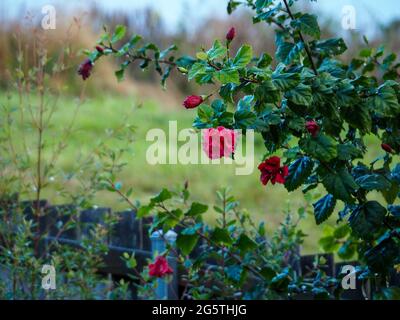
(385, 102)
(308, 24)
(220, 235)
(244, 243)
(196, 209)
(348, 151)
(243, 56)
(287, 52)
(299, 171)
(301, 95)
(323, 208)
(286, 81)
(229, 75)
(119, 33)
(197, 69)
(340, 184)
(186, 243)
(162, 196)
(373, 182)
(366, 219)
(321, 147)
(217, 51)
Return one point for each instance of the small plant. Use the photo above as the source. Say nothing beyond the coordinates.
(233, 259)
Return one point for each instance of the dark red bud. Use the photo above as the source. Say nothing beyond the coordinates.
(313, 128)
(387, 148)
(100, 49)
(85, 69)
(192, 102)
(231, 34)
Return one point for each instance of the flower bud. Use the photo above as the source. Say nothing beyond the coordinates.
(85, 69)
(387, 148)
(100, 49)
(182, 70)
(313, 128)
(231, 34)
(192, 102)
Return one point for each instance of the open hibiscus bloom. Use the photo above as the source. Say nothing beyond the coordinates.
(219, 142)
(271, 170)
(160, 267)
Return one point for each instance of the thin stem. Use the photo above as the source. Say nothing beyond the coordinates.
(306, 47)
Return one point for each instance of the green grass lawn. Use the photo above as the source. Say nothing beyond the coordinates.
(109, 112)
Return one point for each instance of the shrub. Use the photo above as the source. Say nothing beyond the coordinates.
(312, 106)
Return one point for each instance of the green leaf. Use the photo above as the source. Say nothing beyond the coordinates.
(329, 47)
(299, 171)
(244, 119)
(264, 61)
(220, 235)
(129, 45)
(348, 151)
(358, 116)
(217, 51)
(119, 33)
(229, 75)
(165, 52)
(280, 282)
(340, 184)
(196, 209)
(394, 210)
(381, 258)
(205, 113)
(162, 196)
(186, 243)
(197, 69)
(366, 219)
(144, 211)
(243, 56)
(287, 52)
(286, 81)
(321, 147)
(385, 102)
(301, 95)
(323, 208)
(245, 103)
(244, 243)
(373, 182)
(308, 24)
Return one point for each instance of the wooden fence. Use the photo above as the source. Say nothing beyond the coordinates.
(132, 235)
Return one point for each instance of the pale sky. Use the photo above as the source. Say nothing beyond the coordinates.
(172, 11)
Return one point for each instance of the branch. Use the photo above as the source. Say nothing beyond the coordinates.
(306, 47)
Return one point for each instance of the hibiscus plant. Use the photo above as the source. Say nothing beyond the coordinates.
(306, 104)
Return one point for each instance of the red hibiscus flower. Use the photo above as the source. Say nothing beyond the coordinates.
(160, 267)
(219, 142)
(85, 69)
(271, 170)
(231, 34)
(192, 102)
(313, 128)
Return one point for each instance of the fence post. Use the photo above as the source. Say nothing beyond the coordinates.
(158, 245)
